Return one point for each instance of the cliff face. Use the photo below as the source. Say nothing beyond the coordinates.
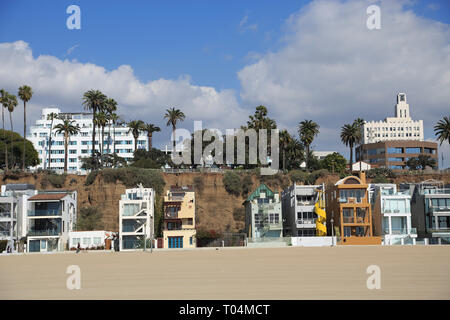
(214, 205)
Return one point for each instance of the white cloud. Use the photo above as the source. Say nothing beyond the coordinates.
(332, 69)
(70, 50)
(244, 25)
(63, 82)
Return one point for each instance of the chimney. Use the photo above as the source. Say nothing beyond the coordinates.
(362, 176)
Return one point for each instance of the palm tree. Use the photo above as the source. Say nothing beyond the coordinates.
(359, 123)
(4, 97)
(307, 130)
(114, 118)
(111, 107)
(94, 101)
(349, 136)
(68, 129)
(173, 116)
(285, 140)
(25, 94)
(12, 104)
(136, 126)
(102, 121)
(51, 116)
(442, 130)
(150, 128)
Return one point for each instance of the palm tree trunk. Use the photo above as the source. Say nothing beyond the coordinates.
(173, 133)
(4, 139)
(50, 146)
(149, 142)
(12, 130)
(307, 157)
(114, 144)
(24, 133)
(66, 142)
(109, 138)
(94, 110)
(103, 137)
(135, 143)
(351, 157)
(284, 159)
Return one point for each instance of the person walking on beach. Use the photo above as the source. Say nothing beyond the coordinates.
(78, 247)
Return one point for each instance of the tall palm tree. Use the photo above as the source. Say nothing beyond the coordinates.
(93, 100)
(442, 130)
(307, 131)
(136, 126)
(12, 104)
(359, 123)
(285, 140)
(114, 118)
(173, 116)
(111, 107)
(349, 136)
(150, 128)
(4, 97)
(68, 129)
(51, 116)
(25, 94)
(102, 121)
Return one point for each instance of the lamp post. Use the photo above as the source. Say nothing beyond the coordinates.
(332, 232)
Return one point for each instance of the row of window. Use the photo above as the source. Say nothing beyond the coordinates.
(87, 241)
(393, 129)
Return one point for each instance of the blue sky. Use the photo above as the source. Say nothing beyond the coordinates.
(218, 60)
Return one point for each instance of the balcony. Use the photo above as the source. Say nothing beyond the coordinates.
(173, 198)
(6, 215)
(171, 215)
(50, 232)
(348, 219)
(44, 213)
(306, 221)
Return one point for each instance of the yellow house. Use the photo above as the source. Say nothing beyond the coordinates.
(179, 218)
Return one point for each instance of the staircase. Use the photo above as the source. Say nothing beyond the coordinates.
(321, 227)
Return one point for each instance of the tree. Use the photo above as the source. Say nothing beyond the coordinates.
(25, 94)
(173, 116)
(114, 119)
(102, 120)
(349, 136)
(136, 126)
(154, 159)
(94, 101)
(334, 162)
(295, 154)
(14, 141)
(4, 100)
(307, 131)
(150, 128)
(12, 104)
(110, 108)
(68, 129)
(285, 139)
(89, 218)
(259, 121)
(51, 116)
(359, 123)
(442, 130)
(420, 162)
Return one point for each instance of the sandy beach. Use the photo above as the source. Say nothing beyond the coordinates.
(407, 272)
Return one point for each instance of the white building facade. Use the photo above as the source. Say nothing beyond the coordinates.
(136, 218)
(400, 127)
(80, 145)
(89, 239)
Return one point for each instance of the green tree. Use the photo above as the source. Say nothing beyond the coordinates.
(25, 94)
(4, 100)
(68, 129)
(285, 139)
(94, 100)
(334, 162)
(51, 116)
(150, 128)
(442, 130)
(359, 123)
(14, 141)
(110, 108)
(136, 126)
(12, 104)
(114, 119)
(89, 218)
(350, 135)
(307, 131)
(154, 159)
(259, 120)
(173, 116)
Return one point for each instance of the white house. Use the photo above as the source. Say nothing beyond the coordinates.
(80, 145)
(51, 216)
(136, 217)
(400, 127)
(361, 166)
(89, 239)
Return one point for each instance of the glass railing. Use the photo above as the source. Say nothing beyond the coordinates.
(4, 234)
(306, 221)
(5, 214)
(51, 232)
(44, 213)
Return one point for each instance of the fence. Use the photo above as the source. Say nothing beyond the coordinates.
(227, 240)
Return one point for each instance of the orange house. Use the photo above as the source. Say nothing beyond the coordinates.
(349, 207)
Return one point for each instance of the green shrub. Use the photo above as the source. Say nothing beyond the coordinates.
(3, 244)
(313, 176)
(232, 183)
(91, 177)
(53, 179)
(239, 214)
(386, 172)
(298, 176)
(89, 218)
(131, 177)
(379, 178)
(199, 184)
(247, 185)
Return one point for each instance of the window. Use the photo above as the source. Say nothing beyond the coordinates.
(75, 241)
(97, 241)
(347, 214)
(394, 150)
(87, 241)
(190, 240)
(273, 218)
(412, 150)
(72, 151)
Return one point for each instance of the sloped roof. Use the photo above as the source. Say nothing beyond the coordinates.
(262, 188)
(48, 196)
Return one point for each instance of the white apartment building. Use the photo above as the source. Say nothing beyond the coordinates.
(80, 145)
(400, 127)
(136, 217)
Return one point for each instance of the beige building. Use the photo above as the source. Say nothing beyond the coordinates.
(179, 218)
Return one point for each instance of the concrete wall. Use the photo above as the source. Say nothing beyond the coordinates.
(312, 241)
